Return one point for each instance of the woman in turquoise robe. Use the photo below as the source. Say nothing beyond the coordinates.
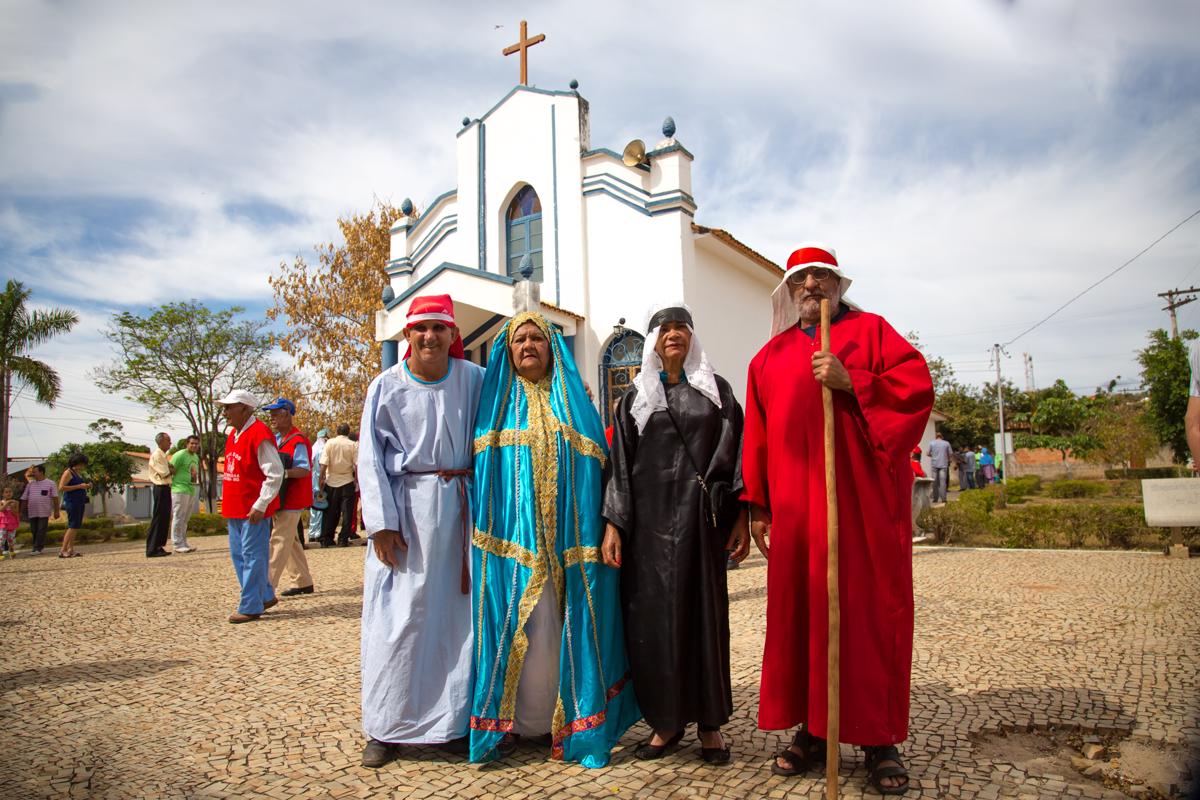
(539, 455)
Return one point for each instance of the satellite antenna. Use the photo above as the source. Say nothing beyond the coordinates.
(634, 154)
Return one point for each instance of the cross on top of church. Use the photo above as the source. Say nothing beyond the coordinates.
(523, 47)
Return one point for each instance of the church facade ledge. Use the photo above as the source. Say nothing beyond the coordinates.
(638, 199)
(447, 226)
(413, 226)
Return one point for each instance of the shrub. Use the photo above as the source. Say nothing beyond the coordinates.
(1074, 488)
(956, 522)
(1018, 489)
(1145, 472)
(1127, 488)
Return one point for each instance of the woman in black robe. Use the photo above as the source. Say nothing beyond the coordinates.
(671, 536)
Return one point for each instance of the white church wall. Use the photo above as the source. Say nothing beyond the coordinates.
(730, 298)
(466, 241)
(533, 138)
(633, 261)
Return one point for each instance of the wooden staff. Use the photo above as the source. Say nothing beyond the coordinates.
(833, 633)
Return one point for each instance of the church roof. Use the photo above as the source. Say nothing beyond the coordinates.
(741, 247)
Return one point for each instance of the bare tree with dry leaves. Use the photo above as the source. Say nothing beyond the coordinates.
(329, 308)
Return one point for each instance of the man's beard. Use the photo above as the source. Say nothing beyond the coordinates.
(813, 304)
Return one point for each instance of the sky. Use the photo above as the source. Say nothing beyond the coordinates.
(975, 163)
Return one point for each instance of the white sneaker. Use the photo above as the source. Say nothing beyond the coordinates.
(184, 550)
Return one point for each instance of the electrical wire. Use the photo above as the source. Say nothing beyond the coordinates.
(1143, 251)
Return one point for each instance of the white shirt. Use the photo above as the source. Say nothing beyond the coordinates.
(272, 467)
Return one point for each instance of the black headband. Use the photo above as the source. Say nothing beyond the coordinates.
(671, 314)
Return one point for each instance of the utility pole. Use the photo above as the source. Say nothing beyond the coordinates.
(1173, 304)
(996, 351)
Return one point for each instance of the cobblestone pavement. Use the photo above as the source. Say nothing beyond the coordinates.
(119, 677)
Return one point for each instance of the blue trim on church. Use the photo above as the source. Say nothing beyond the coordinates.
(389, 353)
(430, 209)
(447, 226)
(482, 329)
(523, 88)
(446, 266)
(482, 196)
(554, 181)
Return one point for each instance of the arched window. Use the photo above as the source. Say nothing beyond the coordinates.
(524, 228)
(621, 364)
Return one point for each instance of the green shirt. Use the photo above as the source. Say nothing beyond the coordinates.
(181, 481)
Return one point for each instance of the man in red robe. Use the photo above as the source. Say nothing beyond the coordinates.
(882, 398)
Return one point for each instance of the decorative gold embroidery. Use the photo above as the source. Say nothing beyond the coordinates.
(579, 555)
(504, 549)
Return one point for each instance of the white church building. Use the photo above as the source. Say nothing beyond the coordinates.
(531, 187)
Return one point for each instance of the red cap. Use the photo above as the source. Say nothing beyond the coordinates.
(811, 255)
(439, 308)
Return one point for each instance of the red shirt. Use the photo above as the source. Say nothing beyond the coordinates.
(243, 478)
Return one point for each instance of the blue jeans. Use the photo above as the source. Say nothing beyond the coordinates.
(250, 549)
(941, 476)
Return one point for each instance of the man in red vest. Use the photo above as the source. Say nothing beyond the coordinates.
(249, 497)
(882, 396)
(287, 553)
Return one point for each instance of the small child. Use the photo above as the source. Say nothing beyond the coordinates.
(8, 523)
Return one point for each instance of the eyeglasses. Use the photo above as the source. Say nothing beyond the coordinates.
(820, 273)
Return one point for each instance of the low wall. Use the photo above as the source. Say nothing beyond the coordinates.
(1048, 464)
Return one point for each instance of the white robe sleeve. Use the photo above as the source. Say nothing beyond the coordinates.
(378, 447)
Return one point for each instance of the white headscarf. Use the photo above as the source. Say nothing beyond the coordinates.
(784, 313)
(650, 395)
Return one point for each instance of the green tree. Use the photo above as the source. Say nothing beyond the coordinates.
(1120, 431)
(108, 469)
(1165, 375)
(21, 330)
(183, 357)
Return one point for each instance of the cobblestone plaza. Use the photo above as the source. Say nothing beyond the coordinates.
(119, 677)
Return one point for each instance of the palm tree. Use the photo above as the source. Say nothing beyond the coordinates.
(21, 330)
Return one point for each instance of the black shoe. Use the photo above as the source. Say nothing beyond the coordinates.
(377, 753)
(458, 747)
(718, 756)
(157, 554)
(298, 590)
(648, 752)
(344, 544)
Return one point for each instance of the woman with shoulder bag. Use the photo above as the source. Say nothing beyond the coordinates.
(674, 519)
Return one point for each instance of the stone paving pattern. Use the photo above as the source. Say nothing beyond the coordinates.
(119, 678)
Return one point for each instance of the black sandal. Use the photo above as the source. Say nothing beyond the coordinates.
(812, 753)
(877, 771)
(717, 756)
(648, 752)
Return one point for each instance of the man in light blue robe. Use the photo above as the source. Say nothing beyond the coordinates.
(550, 646)
(414, 461)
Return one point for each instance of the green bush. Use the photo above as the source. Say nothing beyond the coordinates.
(956, 522)
(1017, 489)
(1074, 488)
(1128, 488)
(1145, 472)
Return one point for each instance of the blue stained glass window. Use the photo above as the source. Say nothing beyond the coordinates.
(621, 363)
(524, 232)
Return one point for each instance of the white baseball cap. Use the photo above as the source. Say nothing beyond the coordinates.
(239, 396)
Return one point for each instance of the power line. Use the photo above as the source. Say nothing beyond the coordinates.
(1144, 250)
